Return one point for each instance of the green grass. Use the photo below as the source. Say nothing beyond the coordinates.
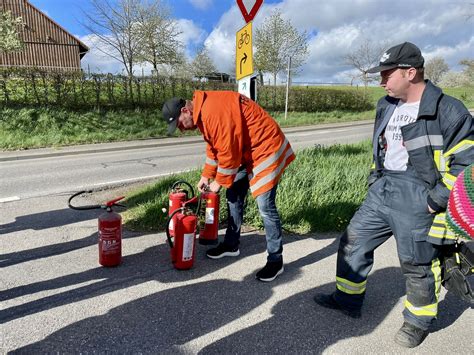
(320, 191)
(49, 127)
(26, 128)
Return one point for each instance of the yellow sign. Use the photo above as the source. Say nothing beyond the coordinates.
(243, 52)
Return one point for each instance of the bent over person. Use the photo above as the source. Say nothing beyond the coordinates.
(246, 149)
(422, 140)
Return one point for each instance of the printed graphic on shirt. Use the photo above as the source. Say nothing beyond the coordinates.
(396, 157)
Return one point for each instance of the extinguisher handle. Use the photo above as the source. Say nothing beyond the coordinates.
(87, 207)
(112, 202)
(182, 182)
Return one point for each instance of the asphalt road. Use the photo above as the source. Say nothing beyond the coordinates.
(41, 172)
(55, 298)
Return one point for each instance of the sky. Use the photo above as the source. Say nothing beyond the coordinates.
(441, 28)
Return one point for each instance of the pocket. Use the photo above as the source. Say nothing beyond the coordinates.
(423, 252)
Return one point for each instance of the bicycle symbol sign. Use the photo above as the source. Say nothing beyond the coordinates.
(243, 51)
(244, 39)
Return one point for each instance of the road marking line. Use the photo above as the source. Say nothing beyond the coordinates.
(9, 199)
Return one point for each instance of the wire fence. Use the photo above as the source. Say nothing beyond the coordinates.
(27, 87)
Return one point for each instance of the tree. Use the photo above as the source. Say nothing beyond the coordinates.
(202, 64)
(9, 32)
(364, 57)
(158, 34)
(435, 68)
(468, 72)
(275, 42)
(115, 25)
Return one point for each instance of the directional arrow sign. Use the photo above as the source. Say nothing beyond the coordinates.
(249, 8)
(243, 52)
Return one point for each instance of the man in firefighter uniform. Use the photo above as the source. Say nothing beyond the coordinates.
(422, 140)
(246, 149)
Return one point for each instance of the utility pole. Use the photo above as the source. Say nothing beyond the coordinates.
(287, 86)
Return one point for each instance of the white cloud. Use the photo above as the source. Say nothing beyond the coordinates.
(337, 27)
(201, 4)
(438, 27)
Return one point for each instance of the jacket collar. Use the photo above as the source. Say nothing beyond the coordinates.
(198, 100)
(429, 100)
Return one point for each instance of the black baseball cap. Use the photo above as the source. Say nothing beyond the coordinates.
(405, 55)
(171, 111)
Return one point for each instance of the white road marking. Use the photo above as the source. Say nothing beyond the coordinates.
(9, 199)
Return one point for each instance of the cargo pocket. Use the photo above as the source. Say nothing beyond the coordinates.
(423, 251)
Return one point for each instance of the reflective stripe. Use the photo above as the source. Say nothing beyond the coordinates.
(438, 229)
(350, 287)
(430, 310)
(449, 180)
(210, 161)
(440, 161)
(271, 159)
(461, 146)
(436, 270)
(424, 141)
(272, 175)
(225, 171)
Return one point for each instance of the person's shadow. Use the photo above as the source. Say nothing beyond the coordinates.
(299, 325)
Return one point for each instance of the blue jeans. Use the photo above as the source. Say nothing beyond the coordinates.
(266, 204)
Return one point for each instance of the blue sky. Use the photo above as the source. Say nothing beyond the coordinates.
(438, 27)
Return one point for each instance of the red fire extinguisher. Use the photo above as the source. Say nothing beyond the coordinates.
(177, 197)
(183, 242)
(210, 205)
(110, 230)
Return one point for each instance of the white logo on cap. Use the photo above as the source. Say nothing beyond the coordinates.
(385, 56)
(170, 119)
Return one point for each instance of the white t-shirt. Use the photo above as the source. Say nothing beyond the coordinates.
(396, 156)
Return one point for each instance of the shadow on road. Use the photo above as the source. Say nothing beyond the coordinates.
(48, 219)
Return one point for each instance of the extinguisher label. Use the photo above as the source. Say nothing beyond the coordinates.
(171, 203)
(171, 225)
(110, 240)
(188, 246)
(209, 215)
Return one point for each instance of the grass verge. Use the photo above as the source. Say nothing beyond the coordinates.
(319, 192)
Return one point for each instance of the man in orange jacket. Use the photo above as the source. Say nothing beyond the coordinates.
(246, 149)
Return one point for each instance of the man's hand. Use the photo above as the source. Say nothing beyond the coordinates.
(203, 184)
(214, 187)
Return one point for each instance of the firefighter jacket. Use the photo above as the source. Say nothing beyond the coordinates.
(239, 132)
(440, 144)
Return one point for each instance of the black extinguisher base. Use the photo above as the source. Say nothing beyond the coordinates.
(208, 241)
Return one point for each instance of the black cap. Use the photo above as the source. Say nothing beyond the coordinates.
(171, 111)
(405, 55)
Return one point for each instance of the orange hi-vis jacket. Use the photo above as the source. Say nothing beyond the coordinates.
(239, 132)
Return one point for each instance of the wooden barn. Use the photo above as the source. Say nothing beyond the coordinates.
(47, 45)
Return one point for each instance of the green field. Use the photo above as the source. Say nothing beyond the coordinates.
(320, 191)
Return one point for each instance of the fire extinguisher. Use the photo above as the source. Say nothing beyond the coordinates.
(110, 230)
(183, 242)
(177, 197)
(210, 205)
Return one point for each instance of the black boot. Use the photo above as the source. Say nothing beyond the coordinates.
(410, 336)
(329, 301)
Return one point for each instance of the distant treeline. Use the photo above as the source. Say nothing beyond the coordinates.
(80, 90)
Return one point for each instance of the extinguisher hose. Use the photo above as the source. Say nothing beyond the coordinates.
(179, 182)
(87, 207)
(168, 236)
